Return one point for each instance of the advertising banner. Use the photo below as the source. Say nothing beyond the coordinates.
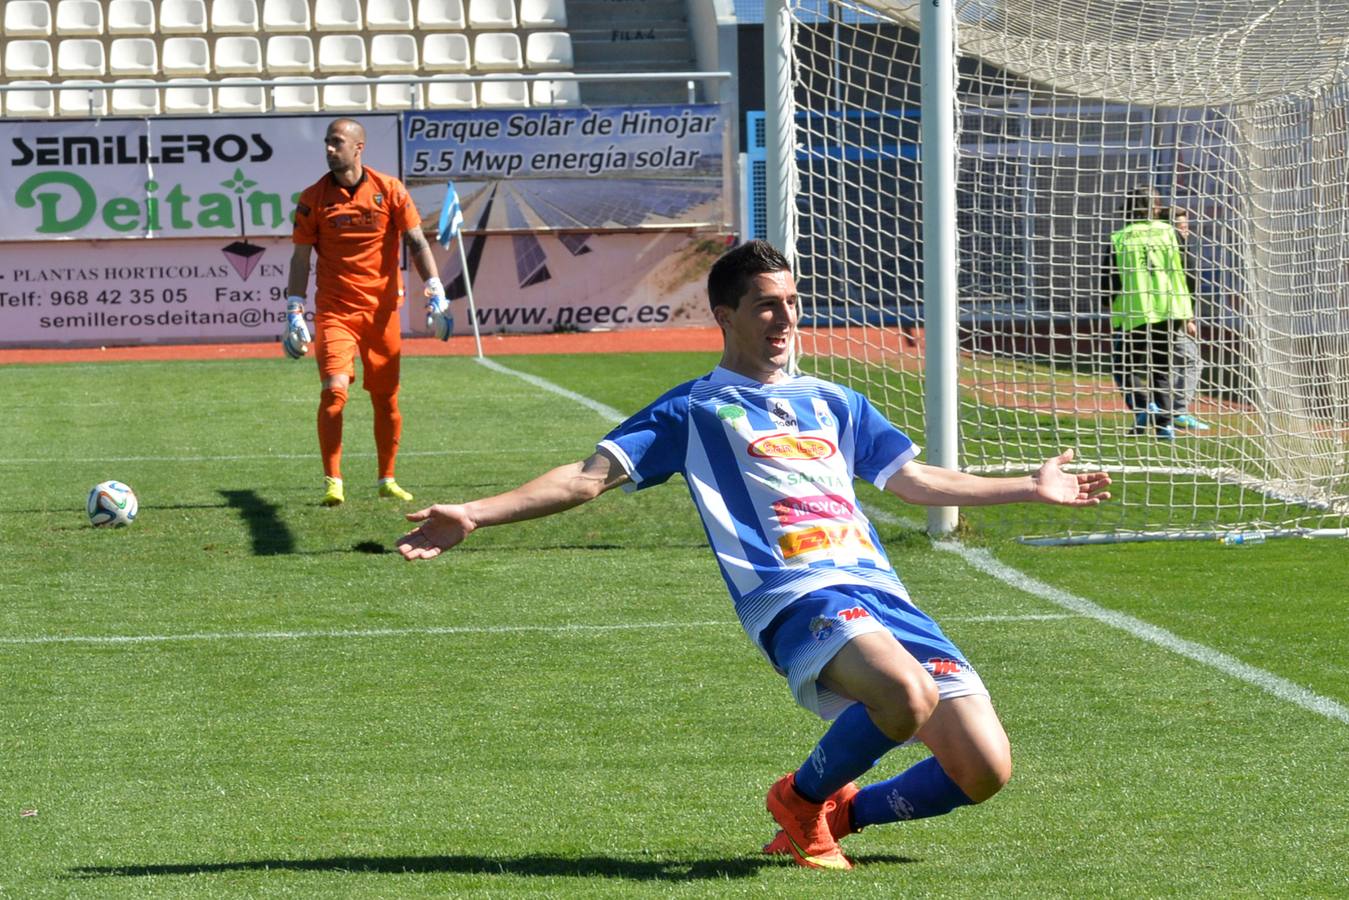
(574, 169)
(167, 177)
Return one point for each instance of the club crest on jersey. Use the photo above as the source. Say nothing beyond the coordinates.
(782, 414)
(821, 627)
(792, 446)
(379, 199)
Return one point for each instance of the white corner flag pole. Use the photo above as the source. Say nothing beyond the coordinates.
(451, 229)
(468, 287)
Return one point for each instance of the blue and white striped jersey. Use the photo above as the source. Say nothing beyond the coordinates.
(771, 469)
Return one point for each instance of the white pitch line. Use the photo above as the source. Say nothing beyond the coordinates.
(607, 412)
(238, 457)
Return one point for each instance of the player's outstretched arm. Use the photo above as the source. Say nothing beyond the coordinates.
(444, 526)
(934, 486)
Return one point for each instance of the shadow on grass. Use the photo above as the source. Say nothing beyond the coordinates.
(673, 870)
(270, 535)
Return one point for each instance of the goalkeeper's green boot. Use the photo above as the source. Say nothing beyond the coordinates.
(389, 488)
(333, 494)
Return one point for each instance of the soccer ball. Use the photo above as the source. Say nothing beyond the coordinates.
(112, 503)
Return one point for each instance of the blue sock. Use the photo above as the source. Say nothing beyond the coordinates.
(849, 748)
(920, 791)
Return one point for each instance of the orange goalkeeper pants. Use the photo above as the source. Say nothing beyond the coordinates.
(377, 336)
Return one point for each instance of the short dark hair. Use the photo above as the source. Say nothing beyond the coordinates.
(1144, 203)
(1177, 212)
(735, 269)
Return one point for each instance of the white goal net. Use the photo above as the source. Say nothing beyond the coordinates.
(1235, 113)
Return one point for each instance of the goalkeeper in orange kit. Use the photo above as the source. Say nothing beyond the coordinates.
(353, 217)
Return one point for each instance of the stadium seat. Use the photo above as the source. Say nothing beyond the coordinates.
(238, 55)
(29, 103)
(82, 98)
(134, 97)
(241, 95)
(188, 95)
(548, 50)
(133, 56)
(285, 16)
(81, 57)
(388, 15)
(290, 54)
(556, 93)
(131, 17)
(342, 53)
(27, 18)
(497, 51)
(186, 56)
(295, 97)
(445, 53)
(441, 15)
(79, 18)
(337, 15)
(491, 14)
(511, 92)
(391, 93)
(451, 95)
(182, 17)
(543, 14)
(346, 97)
(393, 53)
(234, 16)
(28, 59)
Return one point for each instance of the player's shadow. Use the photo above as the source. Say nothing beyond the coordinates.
(270, 535)
(534, 865)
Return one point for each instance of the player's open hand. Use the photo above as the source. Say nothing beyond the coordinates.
(442, 526)
(1053, 485)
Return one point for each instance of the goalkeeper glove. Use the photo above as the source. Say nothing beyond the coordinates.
(438, 317)
(296, 340)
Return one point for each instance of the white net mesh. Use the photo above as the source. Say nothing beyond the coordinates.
(1233, 111)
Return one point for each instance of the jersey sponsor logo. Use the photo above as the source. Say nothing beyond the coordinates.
(824, 537)
(782, 415)
(939, 666)
(792, 446)
(852, 614)
(730, 412)
(794, 510)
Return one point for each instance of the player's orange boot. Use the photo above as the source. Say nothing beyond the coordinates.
(838, 817)
(805, 826)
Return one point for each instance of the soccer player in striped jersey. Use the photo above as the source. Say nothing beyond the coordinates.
(770, 459)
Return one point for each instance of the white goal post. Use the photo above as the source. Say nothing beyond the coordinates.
(947, 175)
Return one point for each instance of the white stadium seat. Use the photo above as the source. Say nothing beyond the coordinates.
(543, 14)
(445, 53)
(30, 103)
(346, 97)
(497, 51)
(82, 98)
(234, 17)
(79, 17)
(548, 50)
(285, 16)
(388, 15)
(131, 17)
(182, 17)
(342, 53)
(241, 95)
(133, 56)
(441, 15)
(491, 14)
(451, 95)
(27, 18)
(290, 54)
(134, 97)
(511, 92)
(188, 95)
(295, 97)
(28, 59)
(186, 56)
(238, 55)
(81, 57)
(393, 53)
(391, 93)
(337, 15)
(556, 93)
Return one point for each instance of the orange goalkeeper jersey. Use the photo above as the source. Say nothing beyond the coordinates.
(356, 232)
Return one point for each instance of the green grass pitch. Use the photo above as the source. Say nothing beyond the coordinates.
(247, 695)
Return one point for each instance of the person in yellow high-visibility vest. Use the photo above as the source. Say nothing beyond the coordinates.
(1149, 299)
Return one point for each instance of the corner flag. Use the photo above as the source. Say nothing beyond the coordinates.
(451, 216)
